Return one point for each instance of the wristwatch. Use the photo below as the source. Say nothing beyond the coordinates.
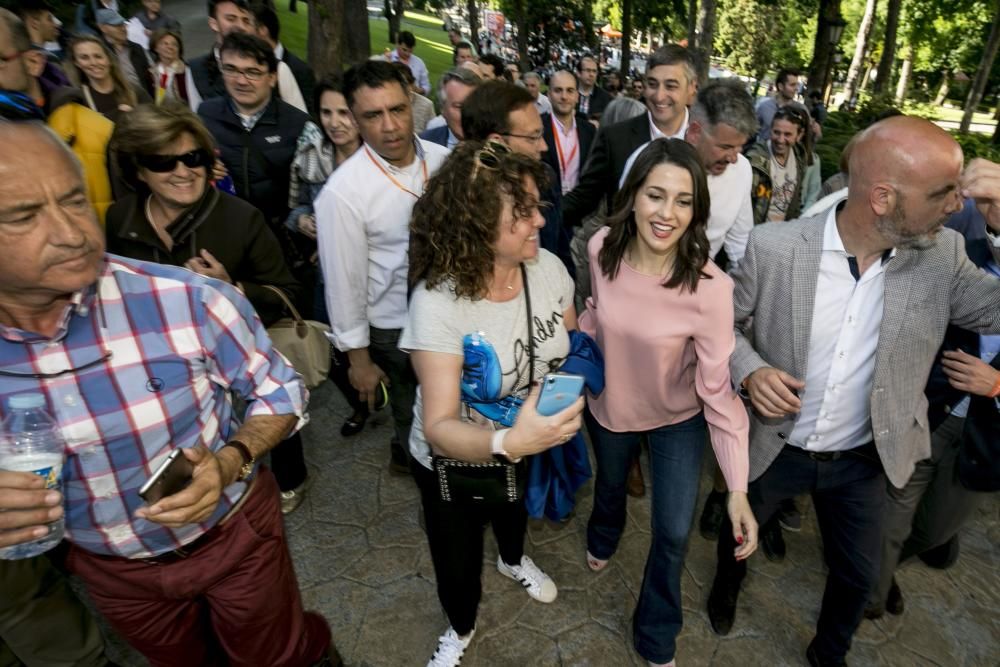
(248, 459)
(496, 445)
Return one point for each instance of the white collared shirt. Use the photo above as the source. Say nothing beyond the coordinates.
(363, 235)
(655, 133)
(847, 316)
(567, 152)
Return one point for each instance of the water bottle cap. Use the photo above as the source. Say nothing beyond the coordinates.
(26, 401)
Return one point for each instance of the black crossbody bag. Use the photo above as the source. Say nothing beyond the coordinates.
(488, 482)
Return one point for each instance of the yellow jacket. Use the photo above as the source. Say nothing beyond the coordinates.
(87, 133)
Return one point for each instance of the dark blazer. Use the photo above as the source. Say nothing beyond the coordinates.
(437, 135)
(303, 76)
(979, 456)
(599, 101)
(141, 63)
(259, 161)
(207, 77)
(600, 175)
(585, 132)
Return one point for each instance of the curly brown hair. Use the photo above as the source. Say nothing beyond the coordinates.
(456, 223)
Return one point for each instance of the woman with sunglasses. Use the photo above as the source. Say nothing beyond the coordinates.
(97, 73)
(176, 216)
(662, 314)
(489, 311)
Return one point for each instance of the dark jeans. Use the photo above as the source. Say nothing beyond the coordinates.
(383, 347)
(675, 453)
(288, 463)
(455, 536)
(849, 495)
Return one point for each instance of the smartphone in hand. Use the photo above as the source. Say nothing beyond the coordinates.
(559, 391)
(173, 476)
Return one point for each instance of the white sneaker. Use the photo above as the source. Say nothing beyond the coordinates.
(537, 583)
(450, 649)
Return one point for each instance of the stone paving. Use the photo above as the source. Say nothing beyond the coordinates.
(363, 562)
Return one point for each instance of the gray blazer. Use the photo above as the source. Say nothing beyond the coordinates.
(924, 290)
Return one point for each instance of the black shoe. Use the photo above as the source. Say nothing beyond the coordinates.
(816, 661)
(711, 517)
(941, 557)
(722, 605)
(874, 612)
(354, 424)
(894, 601)
(772, 542)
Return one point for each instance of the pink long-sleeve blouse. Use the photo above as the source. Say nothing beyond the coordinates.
(666, 357)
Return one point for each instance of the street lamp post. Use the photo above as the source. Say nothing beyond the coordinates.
(834, 31)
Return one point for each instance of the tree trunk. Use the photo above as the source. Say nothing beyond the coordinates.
(942, 93)
(983, 72)
(293, 6)
(706, 30)
(819, 68)
(626, 63)
(904, 76)
(338, 35)
(888, 49)
(692, 24)
(860, 49)
(520, 21)
(866, 79)
(473, 10)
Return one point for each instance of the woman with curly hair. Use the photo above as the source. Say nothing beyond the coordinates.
(662, 314)
(489, 312)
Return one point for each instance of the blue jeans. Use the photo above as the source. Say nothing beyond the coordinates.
(675, 453)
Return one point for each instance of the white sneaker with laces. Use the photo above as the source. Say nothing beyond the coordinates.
(537, 583)
(450, 649)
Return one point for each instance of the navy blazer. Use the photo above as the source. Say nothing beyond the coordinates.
(585, 132)
(979, 456)
(437, 135)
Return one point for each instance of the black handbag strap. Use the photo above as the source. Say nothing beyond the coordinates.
(531, 330)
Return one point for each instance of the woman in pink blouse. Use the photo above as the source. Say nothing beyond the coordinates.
(662, 314)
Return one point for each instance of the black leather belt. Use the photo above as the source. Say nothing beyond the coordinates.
(866, 450)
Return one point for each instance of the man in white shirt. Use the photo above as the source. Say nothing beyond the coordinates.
(362, 222)
(838, 321)
(405, 44)
(533, 82)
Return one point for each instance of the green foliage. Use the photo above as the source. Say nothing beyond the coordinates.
(755, 36)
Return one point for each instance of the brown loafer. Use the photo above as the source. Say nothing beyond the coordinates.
(634, 485)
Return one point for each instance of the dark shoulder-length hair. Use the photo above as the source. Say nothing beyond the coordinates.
(456, 223)
(692, 248)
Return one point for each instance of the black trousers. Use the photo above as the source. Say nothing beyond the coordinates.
(383, 347)
(455, 533)
(848, 494)
(288, 463)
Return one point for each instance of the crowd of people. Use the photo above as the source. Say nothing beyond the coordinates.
(669, 242)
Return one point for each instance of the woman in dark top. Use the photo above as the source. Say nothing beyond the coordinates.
(176, 217)
(97, 73)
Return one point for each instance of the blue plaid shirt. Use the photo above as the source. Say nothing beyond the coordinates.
(157, 353)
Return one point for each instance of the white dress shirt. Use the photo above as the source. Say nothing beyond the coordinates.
(655, 133)
(363, 235)
(847, 316)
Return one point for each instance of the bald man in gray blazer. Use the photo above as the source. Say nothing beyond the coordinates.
(848, 309)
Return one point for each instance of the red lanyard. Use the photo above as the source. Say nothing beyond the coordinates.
(564, 163)
(423, 164)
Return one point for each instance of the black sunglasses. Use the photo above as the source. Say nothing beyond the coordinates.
(165, 163)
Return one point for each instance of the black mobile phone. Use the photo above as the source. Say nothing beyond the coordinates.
(173, 476)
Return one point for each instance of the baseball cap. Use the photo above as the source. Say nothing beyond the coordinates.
(107, 16)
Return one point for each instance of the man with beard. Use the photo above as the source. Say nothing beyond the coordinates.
(779, 168)
(848, 310)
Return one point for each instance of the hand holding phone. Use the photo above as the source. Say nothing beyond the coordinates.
(197, 498)
(559, 391)
(173, 475)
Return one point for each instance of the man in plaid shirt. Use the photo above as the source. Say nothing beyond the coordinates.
(137, 360)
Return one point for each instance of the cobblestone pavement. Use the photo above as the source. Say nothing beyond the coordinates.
(363, 562)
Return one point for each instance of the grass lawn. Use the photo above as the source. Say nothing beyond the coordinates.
(433, 46)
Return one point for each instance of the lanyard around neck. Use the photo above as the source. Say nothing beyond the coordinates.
(392, 179)
(563, 162)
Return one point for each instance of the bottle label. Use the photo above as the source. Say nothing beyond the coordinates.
(51, 475)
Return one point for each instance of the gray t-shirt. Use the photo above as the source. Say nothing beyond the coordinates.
(439, 322)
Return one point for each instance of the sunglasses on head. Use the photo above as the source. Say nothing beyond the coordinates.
(165, 163)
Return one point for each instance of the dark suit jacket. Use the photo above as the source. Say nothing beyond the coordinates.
(979, 457)
(437, 135)
(599, 177)
(599, 101)
(207, 77)
(140, 62)
(585, 132)
(303, 76)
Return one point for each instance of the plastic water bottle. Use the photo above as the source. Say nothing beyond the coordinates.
(31, 442)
